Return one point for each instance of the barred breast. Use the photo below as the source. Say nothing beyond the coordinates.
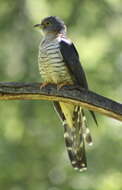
(51, 64)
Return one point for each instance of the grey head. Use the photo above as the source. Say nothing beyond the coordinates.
(52, 24)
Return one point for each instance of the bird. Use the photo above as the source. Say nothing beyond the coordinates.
(59, 64)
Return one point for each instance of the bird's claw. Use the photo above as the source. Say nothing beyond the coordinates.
(59, 86)
(42, 85)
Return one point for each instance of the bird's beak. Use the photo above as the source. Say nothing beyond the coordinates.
(38, 25)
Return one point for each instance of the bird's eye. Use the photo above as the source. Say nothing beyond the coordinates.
(47, 23)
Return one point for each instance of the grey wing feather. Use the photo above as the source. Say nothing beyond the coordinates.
(71, 58)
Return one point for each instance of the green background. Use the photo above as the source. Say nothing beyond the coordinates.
(32, 151)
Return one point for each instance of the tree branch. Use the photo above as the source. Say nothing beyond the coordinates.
(71, 94)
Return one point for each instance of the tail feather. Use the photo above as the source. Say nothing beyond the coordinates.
(76, 133)
(86, 130)
(76, 154)
(75, 138)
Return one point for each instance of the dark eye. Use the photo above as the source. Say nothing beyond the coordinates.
(47, 23)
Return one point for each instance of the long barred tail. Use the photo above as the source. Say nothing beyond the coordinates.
(76, 152)
(75, 133)
(75, 137)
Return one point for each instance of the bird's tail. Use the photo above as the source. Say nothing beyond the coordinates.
(75, 138)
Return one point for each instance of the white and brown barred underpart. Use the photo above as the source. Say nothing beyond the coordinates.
(51, 65)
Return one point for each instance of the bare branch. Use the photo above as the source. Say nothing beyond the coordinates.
(71, 94)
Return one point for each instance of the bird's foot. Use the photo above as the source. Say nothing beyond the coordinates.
(42, 85)
(59, 86)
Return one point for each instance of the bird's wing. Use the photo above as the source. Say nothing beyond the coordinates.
(71, 58)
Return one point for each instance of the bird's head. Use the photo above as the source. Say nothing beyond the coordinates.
(52, 25)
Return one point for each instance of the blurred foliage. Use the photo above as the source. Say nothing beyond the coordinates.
(32, 151)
